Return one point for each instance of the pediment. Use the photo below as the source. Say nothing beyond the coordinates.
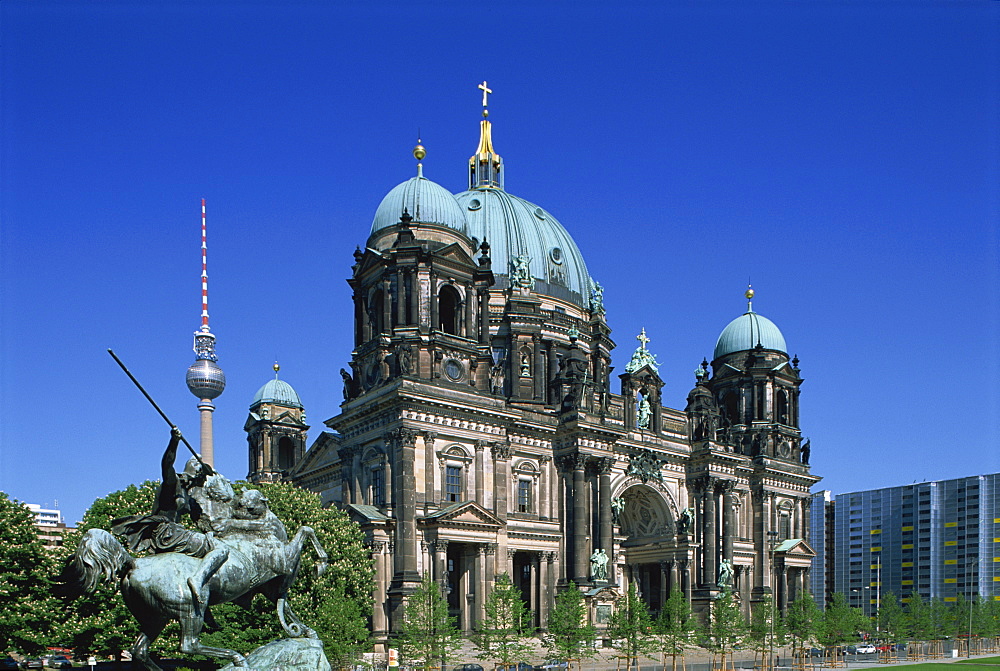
(456, 254)
(323, 450)
(795, 548)
(464, 514)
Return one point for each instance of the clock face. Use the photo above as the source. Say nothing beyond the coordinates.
(453, 369)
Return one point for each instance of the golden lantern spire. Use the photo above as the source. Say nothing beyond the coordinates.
(485, 165)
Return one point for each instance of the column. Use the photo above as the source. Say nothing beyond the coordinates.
(413, 294)
(544, 496)
(604, 466)
(536, 587)
(480, 570)
(405, 485)
(484, 316)
(728, 518)
(441, 561)
(480, 476)
(502, 452)
(553, 371)
(782, 588)
(539, 366)
(431, 495)
(664, 579)
(386, 306)
(389, 498)
(468, 303)
(581, 555)
(400, 297)
(710, 559)
(547, 589)
(432, 293)
(379, 622)
(356, 496)
(685, 571)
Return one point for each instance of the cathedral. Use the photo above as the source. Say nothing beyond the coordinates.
(481, 432)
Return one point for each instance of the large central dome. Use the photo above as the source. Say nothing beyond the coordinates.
(515, 227)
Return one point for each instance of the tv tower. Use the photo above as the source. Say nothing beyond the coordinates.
(204, 378)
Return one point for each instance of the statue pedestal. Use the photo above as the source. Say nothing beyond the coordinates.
(287, 654)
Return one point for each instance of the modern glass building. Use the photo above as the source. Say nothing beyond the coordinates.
(938, 539)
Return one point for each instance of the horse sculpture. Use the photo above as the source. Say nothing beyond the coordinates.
(250, 556)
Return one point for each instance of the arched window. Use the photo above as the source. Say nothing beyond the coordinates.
(378, 485)
(448, 310)
(376, 312)
(286, 453)
(781, 411)
(730, 408)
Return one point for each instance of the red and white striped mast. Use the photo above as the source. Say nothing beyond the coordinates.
(204, 378)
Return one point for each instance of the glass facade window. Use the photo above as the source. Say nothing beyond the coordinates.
(453, 483)
(524, 496)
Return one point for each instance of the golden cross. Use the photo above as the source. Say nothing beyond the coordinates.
(485, 91)
(643, 338)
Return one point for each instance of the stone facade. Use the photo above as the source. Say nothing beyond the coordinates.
(480, 434)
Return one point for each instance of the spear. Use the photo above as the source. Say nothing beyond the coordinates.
(153, 403)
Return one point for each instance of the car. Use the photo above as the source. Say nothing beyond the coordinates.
(554, 664)
(33, 663)
(8, 663)
(816, 652)
(467, 667)
(866, 649)
(59, 662)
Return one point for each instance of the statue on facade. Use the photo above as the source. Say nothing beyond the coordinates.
(238, 549)
(617, 508)
(725, 574)
(685, 522)
(645, 466)
(497, 376)
(643, 413)
(349, 388)
(599, 565)
(521, 272)
(805, 452)
(525, 365)
(597, 299)
(404, 359)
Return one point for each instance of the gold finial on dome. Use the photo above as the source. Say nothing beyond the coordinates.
(749, 296)
(419, 152)
(276, 368)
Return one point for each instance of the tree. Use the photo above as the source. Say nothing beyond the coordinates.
(919, 615)
(943, 618)
(26, 602)
(841, 623)
(767, 630)
(335, 605)
(802, 618)
(428, 632)
(675, 628)
(501, 635)
(631, 625)
(570, 635)
(892, 620)
(727, 628)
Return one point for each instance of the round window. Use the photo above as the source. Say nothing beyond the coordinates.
(540, 213)
(475, 204)
(453, 369)
(556, 255)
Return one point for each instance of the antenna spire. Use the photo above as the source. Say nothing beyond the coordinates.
(204, 270)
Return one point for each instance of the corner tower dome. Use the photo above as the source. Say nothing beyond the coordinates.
(426, 201)
(747, 331)
(278, 392)
(515, 227)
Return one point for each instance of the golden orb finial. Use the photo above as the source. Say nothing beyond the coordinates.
(749, 293)
(419, 152)
(276, 368)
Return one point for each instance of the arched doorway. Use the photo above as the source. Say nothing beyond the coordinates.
(647, 523)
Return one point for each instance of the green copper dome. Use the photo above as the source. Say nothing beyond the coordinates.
(746, 332)
(278, 392)
(516, 227)
(426, 201)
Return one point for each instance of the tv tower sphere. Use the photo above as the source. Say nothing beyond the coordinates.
(205, 379)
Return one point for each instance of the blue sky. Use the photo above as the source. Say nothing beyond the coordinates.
(842, 155)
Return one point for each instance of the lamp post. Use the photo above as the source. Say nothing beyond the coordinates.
(968, 577)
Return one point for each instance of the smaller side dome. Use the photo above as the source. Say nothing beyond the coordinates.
(278, 392)
(426, 201)
(747, 331)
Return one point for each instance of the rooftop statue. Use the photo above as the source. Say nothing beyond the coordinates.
(642, 356)
(521, 275)
(239, 549)
(597, 299)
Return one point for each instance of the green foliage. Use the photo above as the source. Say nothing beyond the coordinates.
(631, 625)
(802, 620)
(26, 604)
(428, 632)
(675, 628)
(943, 618)
(893, 622)
(841, 623)
(921, 624)
(767, 630)
(501, 635)
(727, 628)
(335, 605)
(570, 636)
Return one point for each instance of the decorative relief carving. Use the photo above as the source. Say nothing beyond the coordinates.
(502, 451)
